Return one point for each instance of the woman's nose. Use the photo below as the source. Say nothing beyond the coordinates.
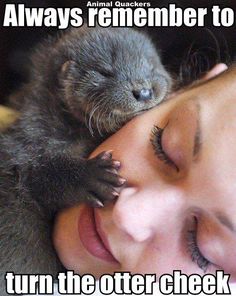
(145, 212)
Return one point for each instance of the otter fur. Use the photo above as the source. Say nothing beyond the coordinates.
(85, 84)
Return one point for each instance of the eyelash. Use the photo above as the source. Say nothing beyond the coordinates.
(156, 135)
(195, 253)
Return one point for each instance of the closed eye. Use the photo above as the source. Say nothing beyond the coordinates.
(156, 138)
(105, 73)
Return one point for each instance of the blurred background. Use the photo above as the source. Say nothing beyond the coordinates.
(187, 52)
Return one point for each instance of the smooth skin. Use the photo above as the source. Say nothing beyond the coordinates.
(175, 214)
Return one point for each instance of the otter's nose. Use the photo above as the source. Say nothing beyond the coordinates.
(143, 94)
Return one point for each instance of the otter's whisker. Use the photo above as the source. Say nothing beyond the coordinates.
(90, 126)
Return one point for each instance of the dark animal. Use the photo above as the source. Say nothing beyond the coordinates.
(85, 84)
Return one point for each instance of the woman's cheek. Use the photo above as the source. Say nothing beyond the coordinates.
(131, 146)
(119, 142)
(65, 236)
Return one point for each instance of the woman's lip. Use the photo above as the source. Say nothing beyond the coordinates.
(94, 240)
(100, 232)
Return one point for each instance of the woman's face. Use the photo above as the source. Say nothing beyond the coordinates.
(178, 208)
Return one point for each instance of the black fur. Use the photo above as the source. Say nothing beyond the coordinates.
(83, 87)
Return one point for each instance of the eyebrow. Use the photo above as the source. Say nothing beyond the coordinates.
(225, 221)
(198, 134)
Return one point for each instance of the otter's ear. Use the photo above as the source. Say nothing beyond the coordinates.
(67, 71)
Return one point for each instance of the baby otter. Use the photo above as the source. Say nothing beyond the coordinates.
(85, 84)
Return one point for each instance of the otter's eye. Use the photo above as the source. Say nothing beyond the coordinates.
(106, 73)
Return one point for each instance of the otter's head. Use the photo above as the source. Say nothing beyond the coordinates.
(113, 75)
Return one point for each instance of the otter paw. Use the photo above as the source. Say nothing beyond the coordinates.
(101, 180)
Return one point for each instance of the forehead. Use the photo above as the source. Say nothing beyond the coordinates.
(217, 99)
